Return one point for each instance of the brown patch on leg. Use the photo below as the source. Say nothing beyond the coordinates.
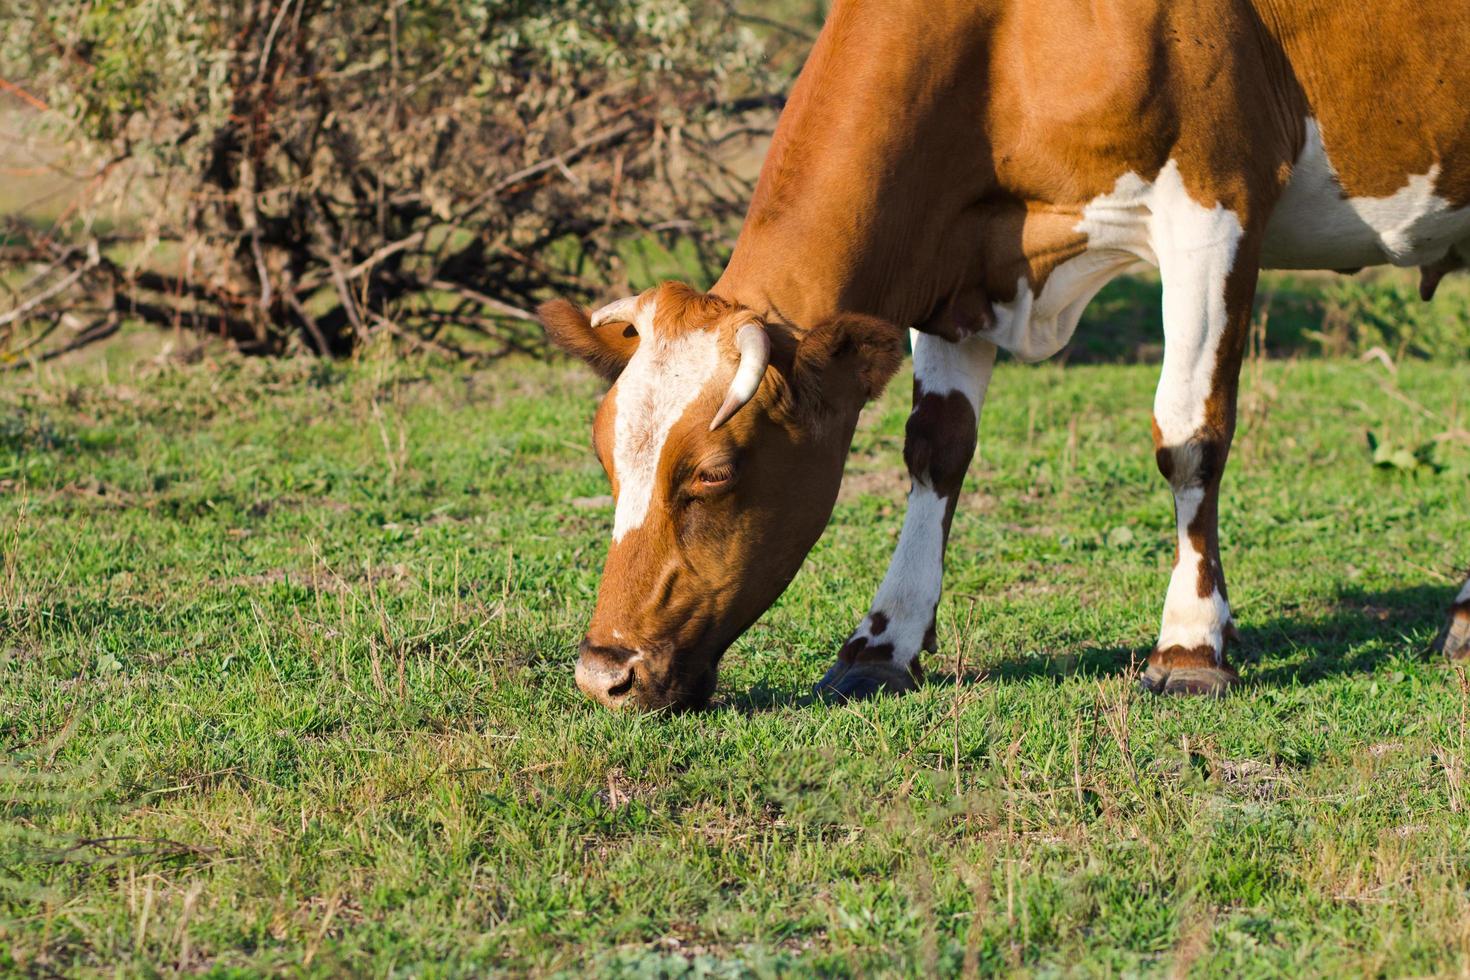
(1199, 462)
(873, 653)
(858, 649)
(1188, 670)
(938, 445)
(865, 669)
(1163, 456)
(1454, 639)
(939, 440)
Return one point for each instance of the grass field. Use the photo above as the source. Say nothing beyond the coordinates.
(285, 686)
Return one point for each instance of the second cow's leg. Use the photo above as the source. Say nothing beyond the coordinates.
(1207, 307)
(950, 379)
(1454, 639)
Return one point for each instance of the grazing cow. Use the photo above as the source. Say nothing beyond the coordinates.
(977, 170)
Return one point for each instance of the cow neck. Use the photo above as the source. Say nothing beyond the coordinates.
(861, 208)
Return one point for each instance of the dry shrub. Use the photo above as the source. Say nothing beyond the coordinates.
(293, 174)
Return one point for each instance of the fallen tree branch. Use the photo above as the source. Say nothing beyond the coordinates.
(97, 330)
(419, 237)
(55, 289)
(437, 346)
(490, 302)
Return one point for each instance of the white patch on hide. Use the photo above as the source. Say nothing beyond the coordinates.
(1315, 227)
(910, 590)
(1189, 620)
(941, 366)
(911, 587)
(1116, 225)
(661, 381)
(1195, 247)
(1154, 222)
(1033, 327)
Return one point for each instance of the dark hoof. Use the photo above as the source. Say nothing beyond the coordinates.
(1211, 682)
(858, 682)
(1454, 640)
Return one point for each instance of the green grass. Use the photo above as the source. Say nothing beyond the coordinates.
(286, 687)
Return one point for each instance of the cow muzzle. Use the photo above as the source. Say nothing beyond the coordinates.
(643, 679)
(606, 674)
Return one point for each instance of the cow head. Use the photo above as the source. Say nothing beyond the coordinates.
(724, 439)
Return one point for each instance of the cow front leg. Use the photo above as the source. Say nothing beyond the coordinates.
(1207, 306)
(950, 379)
(1454, 640)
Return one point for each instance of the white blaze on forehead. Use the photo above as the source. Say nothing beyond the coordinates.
(661, 381)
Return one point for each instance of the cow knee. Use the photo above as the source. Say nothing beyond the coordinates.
(940, 440)
(1196, 462)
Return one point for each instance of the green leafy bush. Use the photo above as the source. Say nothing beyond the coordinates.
(1386, 312)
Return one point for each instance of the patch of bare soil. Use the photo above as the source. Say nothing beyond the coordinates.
(1251, 778)
(891, 484)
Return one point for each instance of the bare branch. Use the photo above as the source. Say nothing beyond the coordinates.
(55, 289)
(489, 302)
(95, 331)
(361, 170)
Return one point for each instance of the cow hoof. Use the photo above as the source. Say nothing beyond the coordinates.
(858, 682)
(1211, 682)
(1454, 640)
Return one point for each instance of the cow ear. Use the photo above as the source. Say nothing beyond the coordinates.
(845, 361)
(606, 348)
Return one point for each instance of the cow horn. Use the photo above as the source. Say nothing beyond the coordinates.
(624, 310)
(755, 353)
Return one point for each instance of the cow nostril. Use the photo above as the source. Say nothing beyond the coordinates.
(623, 686)
(606, 673)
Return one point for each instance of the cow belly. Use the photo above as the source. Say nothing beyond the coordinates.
(1315, 227)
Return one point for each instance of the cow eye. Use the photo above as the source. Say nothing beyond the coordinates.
(714, 476)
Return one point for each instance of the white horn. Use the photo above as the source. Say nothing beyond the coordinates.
(624, 310)
(755, 353)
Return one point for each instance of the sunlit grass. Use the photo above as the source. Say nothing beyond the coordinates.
(290, 647)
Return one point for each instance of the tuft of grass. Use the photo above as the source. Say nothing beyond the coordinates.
(285, 677)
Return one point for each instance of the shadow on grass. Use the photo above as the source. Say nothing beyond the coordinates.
(762, 697)
(1366, 629)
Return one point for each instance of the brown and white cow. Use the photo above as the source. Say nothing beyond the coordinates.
(977, 170)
